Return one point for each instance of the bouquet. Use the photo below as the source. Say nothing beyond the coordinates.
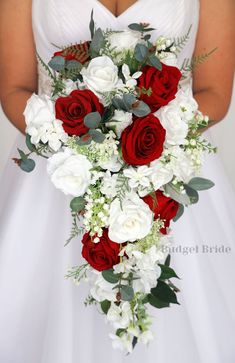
(121, 134)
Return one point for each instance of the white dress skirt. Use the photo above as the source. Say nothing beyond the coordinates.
(42, 316)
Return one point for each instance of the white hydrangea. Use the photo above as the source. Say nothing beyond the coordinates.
(120, 121)
(109, 184)
(130, 220)
(185, 103)
(41, 123)
(139, 178)
(120, 316)
(161, 174)
(181, 164)
(101, 289)
(70, 172)
(123, 343)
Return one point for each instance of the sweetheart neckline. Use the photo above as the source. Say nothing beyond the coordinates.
(136, 3)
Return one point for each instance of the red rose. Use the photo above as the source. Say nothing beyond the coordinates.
(163, 85)
(103, 255)
(142, 141)
(78, 52)
(162, 207)
(73, 108)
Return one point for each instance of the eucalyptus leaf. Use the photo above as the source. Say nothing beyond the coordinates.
(27, 165)
(92, 25)
(157, 303)
(168, 260)
(127, 293)
(23, 156)
(155, 62)
(105, 306)
(136, 27)
(140, 52)
(179, 213)
(30, 146)
(192, 193)
(167, 273)
(174, 194)
(97, 136)
(109, 276)
(129, 100)
(84, 140)
(77, 204)
(97, 42)
(141, 110)
(200, 184)
(57, 63)
(73, 65)
(92, 120)
(164, 293)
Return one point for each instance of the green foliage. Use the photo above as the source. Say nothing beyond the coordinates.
(155, 61)
(97, 43)
(201, 184)
(179, 213)
(92, 25)
(167, 273)
(92, 120)
(192, 194)
(127, 293)
(76, 230)
(45, 66)
(140, 109)
(57, 63)
(77, 204)
(105, 306)
(189, 65)
(122, 187)
(164, 293)
(175, 194)
(141, 52)
(27, 165)
(180, 42)
(140, 27)
(110, 276)
(30, 146)
(97, 136)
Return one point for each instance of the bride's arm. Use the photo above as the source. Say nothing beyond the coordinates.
(214, 78)
(18, 74)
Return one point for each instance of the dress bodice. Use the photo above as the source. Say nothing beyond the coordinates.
(62, 22)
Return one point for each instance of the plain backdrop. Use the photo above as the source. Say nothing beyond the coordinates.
(223, 136)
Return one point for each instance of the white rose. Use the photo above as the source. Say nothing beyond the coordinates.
(120, 121)
(70, 172)
(130, 220)
(124, 40)
(38, 110)
(101, 75)
(176, 128)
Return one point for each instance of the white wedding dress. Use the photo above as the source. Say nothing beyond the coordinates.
(42, 316)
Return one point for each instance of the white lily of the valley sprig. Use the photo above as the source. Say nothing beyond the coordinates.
(131, 81)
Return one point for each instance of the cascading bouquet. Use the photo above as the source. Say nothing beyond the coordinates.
(121, 131)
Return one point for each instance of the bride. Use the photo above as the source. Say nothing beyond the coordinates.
(42, 317)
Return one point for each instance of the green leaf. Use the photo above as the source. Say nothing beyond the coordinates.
(84, 140)
(73, 65)
(97, 136)
(157, 303)
(134, 342)
(136, 27)
(105, 306)
(163, 292)
(140, 52)
(141, 110)
(129, 100)
(167, 273)
(176, 195)
(179, 213)
(120, 331)
(127, 293)
(109, 276)
(201, 184)
(92, 25)
(92, 120)
(57, 63)
(192, 193)
(168, 260)
(30, 146)
(77, 204)
(27, 165)
(155, 62)
(107, 114)
(23, 156)
(97, 42)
